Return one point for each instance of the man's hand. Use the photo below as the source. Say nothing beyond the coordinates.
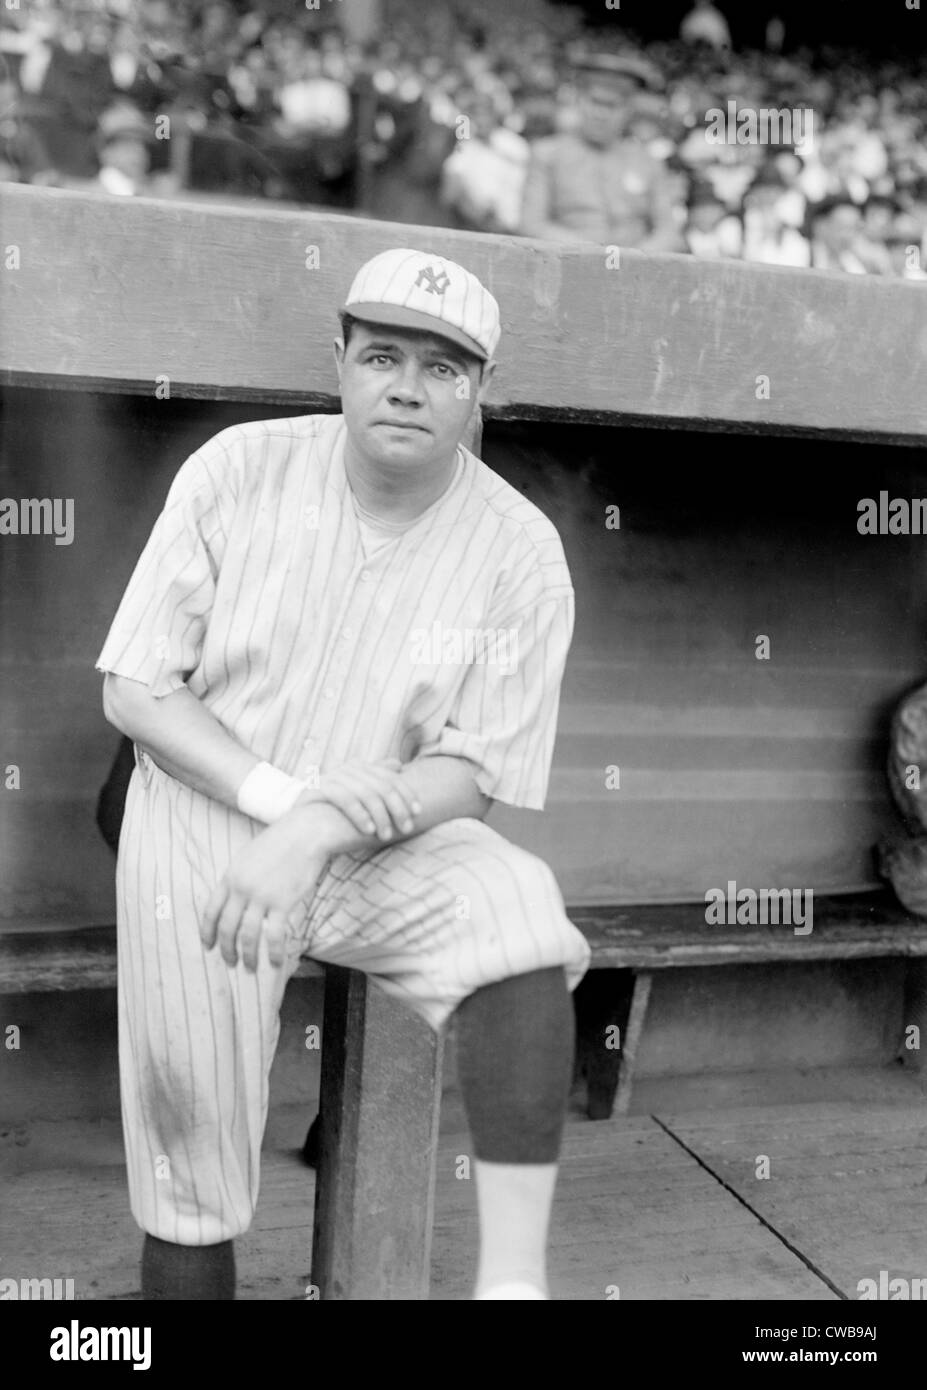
(262, 887)
(373, 796)
(282, 865)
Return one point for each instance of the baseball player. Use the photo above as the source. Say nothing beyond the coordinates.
(343, 641)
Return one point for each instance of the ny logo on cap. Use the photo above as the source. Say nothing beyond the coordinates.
(437, 284)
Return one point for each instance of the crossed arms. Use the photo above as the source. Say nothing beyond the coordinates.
(360, 807)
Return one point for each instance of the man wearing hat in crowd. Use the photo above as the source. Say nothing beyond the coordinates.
(23, 154)
(343, 641)
(123, 141)
(594, 184)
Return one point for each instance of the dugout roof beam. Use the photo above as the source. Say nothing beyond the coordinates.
(239, 302)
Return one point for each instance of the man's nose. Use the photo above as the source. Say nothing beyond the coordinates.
(407, 386)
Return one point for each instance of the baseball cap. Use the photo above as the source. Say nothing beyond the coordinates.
(122, 121)
(586, 64)
(414, 289)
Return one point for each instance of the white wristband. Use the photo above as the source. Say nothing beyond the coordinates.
(266, 794)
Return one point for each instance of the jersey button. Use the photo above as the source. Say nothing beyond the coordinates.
(329, 692)
(348, 633)
(365, 576)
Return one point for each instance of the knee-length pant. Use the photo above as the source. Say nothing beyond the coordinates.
(431, 919)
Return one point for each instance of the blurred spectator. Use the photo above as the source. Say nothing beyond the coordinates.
(834, 229)
(593, 183)
(775, 34)
(311, 102)
(23, 156)
(76, 86)
(482, 179)
(711, 232)
(123, 141)
(770, 233)
(914, 202)
(705, 24)
(878, 218)
(904, 249)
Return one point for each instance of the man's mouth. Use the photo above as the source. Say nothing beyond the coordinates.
(401, 425)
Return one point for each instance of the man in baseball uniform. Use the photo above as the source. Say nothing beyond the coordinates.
(342, 642)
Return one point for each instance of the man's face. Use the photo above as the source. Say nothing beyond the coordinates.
(878, 219)
(840, 229)
(764, 200)
(129, 156)
(605, 106)
(705, 216)
(406, 396)
(158, 14)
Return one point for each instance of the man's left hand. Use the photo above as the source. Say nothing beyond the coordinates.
(262, 886)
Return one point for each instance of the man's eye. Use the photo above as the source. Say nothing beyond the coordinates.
(443, 367)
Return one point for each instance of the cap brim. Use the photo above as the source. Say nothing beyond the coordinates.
(646, 81)
(108, 137)
(605, 76)
(397, 316)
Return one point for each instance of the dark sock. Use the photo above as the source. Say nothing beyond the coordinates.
(187, 1272)
(515, 1063)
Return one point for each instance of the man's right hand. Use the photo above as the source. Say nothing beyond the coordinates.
(373, 796)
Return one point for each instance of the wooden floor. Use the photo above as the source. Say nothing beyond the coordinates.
(660, 1205)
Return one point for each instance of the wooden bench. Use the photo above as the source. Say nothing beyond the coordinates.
(381, 1066)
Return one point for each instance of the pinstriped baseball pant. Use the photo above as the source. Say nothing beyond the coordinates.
(431, 919)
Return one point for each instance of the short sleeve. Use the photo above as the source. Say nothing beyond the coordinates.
(157, 634)
(504, 718)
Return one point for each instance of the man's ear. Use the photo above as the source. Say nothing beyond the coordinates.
(485, 378)
(338, 344)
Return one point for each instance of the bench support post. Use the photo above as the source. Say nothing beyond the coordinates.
(602, 1003)
(379, 1108)
(639, 1001)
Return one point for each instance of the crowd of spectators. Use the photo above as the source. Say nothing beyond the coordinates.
(434, 121)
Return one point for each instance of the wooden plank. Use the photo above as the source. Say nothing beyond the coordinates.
(379, 1107)
(845, 1185)
(664, 936)
(50, 957)
(758, 946)
(116, 293)
(631, 1041)
(651, 936)
(632, 1210)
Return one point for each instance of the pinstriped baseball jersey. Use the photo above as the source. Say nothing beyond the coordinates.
(255, 590)
(316, 639)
